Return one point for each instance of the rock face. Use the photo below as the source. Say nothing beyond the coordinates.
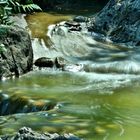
(16, 55)
(26, 133)
(119, 21)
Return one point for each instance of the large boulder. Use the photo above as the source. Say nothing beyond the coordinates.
(119, 21)
(16, 55)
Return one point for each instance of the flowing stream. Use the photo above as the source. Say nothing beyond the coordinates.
(100, 103)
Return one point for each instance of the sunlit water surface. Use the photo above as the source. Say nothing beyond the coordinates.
(90, 105)
(94, 106)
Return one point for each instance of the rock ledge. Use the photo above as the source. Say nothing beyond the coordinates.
(26, 133)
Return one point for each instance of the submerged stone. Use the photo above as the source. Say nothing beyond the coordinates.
(16, 104)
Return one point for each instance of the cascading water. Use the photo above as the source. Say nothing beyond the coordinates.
(101, 102)
(100, 57)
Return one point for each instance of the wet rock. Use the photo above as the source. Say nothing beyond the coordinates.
(73, 26)
(16, 55)
(72, 23)
(59, 62)
(26, 133)
(44, 62)
(80, 19)
(64, 65)
(119, 21)
(25, 130)
(75, 29)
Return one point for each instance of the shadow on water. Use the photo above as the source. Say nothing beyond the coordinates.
(74, 7)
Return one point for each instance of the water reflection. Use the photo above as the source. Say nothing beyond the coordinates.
(90, 107)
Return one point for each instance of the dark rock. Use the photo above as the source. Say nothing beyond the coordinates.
(119, 21)
(59, 62)
(25, 130)
(26, 133)
(16, 55)
(72, 23)
(44, 62)
(75, 28)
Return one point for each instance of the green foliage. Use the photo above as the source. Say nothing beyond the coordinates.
(27, 6)
(5, 11)
(30, 7)
(7, 7)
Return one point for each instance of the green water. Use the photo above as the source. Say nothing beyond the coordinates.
(93, 106)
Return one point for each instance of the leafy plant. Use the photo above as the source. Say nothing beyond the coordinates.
(27, 6)
(5, 11)
(7, 7)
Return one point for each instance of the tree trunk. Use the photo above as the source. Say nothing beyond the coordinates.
(119, 20)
